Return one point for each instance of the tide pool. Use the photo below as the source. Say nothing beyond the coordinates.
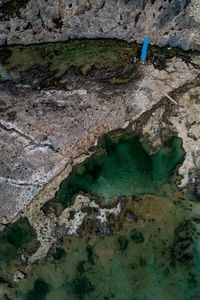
(121, 167)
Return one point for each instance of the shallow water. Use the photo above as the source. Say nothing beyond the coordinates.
(121, 167)
(13, 239)
(152, 251)
(155, 258)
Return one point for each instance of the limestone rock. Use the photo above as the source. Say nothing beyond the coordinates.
(45, 131)
(18, 276)
(175, 22)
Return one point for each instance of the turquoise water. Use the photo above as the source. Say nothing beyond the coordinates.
(121, 167)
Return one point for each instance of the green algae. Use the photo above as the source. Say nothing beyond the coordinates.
(81, 286)
(137, 236)
(47, 63)
(17, 236)
(39, 292)
(120, 167)
(181, 251)
(59, 254)
(163, 265)
(123, 242)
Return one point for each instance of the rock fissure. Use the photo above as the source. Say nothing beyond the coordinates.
(8, 127)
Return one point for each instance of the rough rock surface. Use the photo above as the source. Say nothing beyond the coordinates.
(172, 22)
(43, 131)
(186, 122)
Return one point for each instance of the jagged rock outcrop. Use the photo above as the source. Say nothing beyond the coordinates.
(166, 22)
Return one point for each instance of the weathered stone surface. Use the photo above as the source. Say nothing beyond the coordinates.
(172, 22)
(43, 131)
(186, 121)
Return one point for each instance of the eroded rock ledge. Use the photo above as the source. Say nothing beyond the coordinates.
(43, 131)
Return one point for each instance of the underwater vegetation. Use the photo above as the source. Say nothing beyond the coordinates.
(151, 250)
(153, 258)
(45, 64)
(105, 60)
(15, 239)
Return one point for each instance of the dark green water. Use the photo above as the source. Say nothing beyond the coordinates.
(121, 167)
(16, 237)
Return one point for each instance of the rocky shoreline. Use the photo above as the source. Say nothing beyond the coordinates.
(70, 73)
(45, 130)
